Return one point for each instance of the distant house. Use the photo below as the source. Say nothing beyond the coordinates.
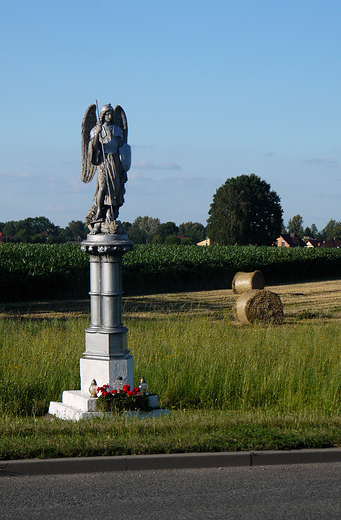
(206, 242)
(9, 238)
(315, 242)
(333, 242)
(289, 240)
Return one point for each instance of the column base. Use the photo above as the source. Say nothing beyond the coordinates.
(106, 372)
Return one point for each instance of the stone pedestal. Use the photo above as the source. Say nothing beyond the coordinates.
(106, 355)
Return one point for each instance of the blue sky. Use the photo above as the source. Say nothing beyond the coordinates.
(212, 90)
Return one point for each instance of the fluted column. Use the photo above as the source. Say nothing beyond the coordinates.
(95, 292)
(106, 354)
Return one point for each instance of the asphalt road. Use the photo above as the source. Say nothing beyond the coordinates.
(298, 491)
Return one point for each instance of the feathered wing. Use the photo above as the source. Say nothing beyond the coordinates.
(121, 120)
(89, 121)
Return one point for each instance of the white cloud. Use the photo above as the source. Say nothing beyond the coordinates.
(150, 165)
(7, 175)
(328, 162)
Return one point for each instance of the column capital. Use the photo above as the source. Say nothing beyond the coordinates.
(104, 244)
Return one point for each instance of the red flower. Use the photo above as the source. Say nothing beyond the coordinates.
(102, 388)
(126, 388)
(114, 392)
(104, 393)
(129, 392)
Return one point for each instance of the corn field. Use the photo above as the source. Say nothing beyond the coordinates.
(61, 271)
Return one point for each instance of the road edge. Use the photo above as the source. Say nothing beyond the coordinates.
(166, 461)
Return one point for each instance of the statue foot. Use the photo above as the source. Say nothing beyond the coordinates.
(96, 228)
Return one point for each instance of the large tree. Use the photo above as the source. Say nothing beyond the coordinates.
(245, 211)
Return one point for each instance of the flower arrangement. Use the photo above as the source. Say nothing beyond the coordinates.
(118, 401)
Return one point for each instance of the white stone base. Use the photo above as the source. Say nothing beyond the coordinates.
(106, 372)
(63, 411)
(78, 405)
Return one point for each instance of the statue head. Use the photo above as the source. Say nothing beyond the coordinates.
(104, 110)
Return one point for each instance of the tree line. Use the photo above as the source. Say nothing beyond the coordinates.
(144, 230)
(39, 230)
(331, 230)
(149, 230)
(245, 211)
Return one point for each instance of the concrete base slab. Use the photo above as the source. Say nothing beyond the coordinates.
(69, 413)
(78, 405)
(80, 400)
(75, 405)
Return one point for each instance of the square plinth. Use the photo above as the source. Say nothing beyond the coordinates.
(106, 344)
(106, 371)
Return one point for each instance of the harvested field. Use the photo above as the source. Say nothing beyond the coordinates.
(308, 301)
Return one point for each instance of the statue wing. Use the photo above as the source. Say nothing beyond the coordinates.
(121, 120)
(89, 121)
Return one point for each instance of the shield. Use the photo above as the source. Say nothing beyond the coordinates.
(125, 156)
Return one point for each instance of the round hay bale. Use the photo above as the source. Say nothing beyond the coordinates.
(246, 282)
(259, 306)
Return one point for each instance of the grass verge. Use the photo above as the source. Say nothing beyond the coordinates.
(189, 431)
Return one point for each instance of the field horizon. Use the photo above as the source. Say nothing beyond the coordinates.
(308, 301)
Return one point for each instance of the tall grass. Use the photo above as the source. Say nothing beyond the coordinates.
(190, 361)
(38, 360)
(206, 364)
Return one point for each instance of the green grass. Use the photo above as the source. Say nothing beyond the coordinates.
(190, 361)
(198, 362)
(38, 360)
(189, 431)
(228, 387)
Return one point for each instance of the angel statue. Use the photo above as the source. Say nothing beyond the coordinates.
(105, 149)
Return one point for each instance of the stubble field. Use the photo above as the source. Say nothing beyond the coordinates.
(309, 301)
